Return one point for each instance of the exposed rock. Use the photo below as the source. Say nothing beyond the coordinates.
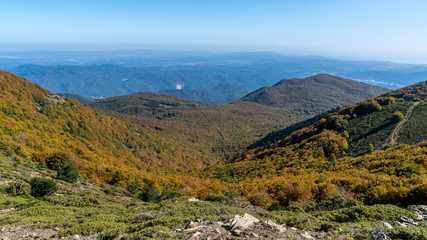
(421, 212)
(405, 221)
(193, 199)
(279, 228)
(306, 235)
(379, 235)
(387, 225)
(242, 222)
(196, 236)
(236, 232)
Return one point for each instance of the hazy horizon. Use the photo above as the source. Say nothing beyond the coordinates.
(17, 48)
(360, 30)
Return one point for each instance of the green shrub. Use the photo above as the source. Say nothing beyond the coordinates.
(368, 213)
(133, 188)
(72, 200)
(410, 232)
(19, 188)
(108, 191)
(90, 228)
(334, 203)
(295, 209)
(327, 226)
(42, 187)
(68, 172)
(55, 160)
(149, 194)
(385, 100)
(168, 195)
(275, 207)
(366, 107)
(398, 116)
(216, 198)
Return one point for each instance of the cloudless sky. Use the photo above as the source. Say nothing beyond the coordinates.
(378, 29)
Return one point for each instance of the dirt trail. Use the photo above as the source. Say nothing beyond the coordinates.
(392, 141)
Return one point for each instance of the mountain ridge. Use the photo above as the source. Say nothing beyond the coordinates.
(320, 92)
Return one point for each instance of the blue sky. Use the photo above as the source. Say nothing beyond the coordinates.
(378, 29)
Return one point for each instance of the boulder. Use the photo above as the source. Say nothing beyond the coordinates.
(196, 236)
(242, 222)
(387, 225)
(306, 235)
(379, 235)
(421, 212)
(279, 228)
(193, 199)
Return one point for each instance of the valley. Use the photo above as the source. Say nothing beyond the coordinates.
(146, 154)
(213, 120)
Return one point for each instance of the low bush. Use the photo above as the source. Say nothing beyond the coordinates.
(56, 159)
(90, 228)
(368, 213)
(217, 198)
(333, 203)
(19, 188)
(410, 232)
(398, 116)
(133, 188)
(275, 207)
(149, 194)
(42, 187)
(67, 172)
(168, 195)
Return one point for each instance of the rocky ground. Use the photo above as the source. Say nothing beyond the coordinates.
(249, 227)
(243, 227)
(239, 227)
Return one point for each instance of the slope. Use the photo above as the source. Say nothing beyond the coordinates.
(313, 95)
(369, 124)
(341, 154)
(89, 210)
(35, 123)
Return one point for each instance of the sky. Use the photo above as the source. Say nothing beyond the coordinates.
(365, 29)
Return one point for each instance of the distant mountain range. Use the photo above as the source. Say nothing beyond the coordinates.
(198, 74)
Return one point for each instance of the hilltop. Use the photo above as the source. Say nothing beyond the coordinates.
(313, 95)
(418, 90)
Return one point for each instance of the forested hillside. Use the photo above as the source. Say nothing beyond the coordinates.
(313, 95)
(36, 124)
(374, 151)
(220, 131)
